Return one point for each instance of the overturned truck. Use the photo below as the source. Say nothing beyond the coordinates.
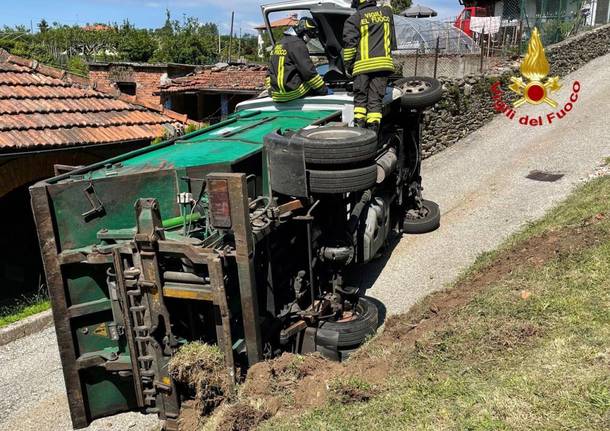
(241, 234)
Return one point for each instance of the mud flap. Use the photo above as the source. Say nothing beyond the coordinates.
(286, 164)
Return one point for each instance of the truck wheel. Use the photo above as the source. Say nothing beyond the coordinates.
(345, 335)
(344, 181)
(419, 92)
(338, 355)
(429, 221)
(337, 145)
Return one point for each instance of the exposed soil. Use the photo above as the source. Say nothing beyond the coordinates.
(290, 384)
(242, 417)
(430, 315)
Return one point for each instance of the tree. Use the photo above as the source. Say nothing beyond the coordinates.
(400, 5)
(43, 26)
(189, 42)
(136, 44)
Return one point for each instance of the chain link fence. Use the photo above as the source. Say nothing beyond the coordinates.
(481, 38)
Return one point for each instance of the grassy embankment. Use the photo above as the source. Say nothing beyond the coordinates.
(23, 308)
(521, 342)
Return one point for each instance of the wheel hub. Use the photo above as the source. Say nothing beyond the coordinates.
(413, 87)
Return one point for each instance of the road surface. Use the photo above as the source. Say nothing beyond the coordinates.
(481, 186)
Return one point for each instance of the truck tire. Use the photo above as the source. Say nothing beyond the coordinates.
(419, 92)
(345, 336)
(337, 145)
(429, 223)
(342, 181)
(338, 355)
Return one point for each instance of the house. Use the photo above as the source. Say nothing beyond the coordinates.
(51, 120)
(513, 9)
(213, 92)
(140, 80)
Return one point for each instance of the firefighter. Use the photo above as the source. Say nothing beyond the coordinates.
(291, 73)
(368, 40)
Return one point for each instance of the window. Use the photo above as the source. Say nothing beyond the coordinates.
(128, 88)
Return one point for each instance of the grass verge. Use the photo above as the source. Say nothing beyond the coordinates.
(521, 342)
(22, 309)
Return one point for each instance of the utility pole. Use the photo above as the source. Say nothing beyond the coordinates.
(239, 45)
(231, 36)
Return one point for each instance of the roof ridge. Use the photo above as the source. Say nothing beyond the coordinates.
(68, 110)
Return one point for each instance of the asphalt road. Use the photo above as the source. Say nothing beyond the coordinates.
(484, 196)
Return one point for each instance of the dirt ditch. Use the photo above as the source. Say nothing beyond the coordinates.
(290, 384)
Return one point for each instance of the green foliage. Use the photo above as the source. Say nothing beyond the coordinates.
(78, 65)
(136, 44)
(187, 41)
(400, 5)
(23, 307)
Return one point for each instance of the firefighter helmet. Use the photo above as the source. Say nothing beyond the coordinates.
(356, 3)
(306, 27)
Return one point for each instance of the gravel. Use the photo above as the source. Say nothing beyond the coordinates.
(33, 395)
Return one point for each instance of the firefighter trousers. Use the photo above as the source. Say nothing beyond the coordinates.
(369, 90)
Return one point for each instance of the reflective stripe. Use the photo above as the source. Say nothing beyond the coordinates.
(280, 74)
(386, 38)
(374, 117)
(349, 54)
(359, 112)
(301, 91)
(316, 82)
(364, 41)
(267, 82)
(377, 64)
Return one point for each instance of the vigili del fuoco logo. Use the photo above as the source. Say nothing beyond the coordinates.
(535, 87)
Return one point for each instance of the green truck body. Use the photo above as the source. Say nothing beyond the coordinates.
(78, 213)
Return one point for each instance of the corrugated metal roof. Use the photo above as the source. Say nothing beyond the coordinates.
(42, 106)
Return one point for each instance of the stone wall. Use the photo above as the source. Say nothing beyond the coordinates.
(467, 103)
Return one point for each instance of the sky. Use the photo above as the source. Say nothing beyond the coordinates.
(151, 13)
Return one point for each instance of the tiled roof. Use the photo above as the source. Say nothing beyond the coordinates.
(289, 21)
(242, 78)
(42, 106)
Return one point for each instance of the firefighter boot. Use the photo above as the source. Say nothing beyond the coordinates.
(360, 123)
(374, 126)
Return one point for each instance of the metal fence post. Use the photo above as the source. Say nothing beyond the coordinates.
(416, 60)
(436, 55)
(482, 49)
(520, 36)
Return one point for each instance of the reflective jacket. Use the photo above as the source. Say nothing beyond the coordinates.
(292, 74)
(368, 39)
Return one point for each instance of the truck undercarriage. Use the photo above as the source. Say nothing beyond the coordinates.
(246, 234)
